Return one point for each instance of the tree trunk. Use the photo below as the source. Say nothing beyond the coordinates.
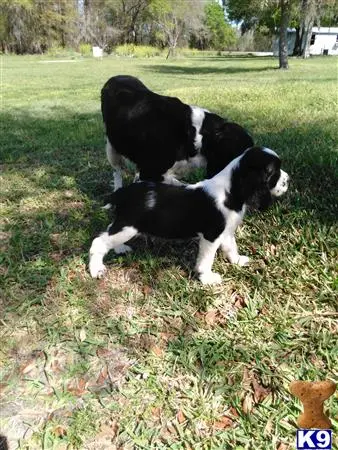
(283, 35)
(297, 49)
(307, 38)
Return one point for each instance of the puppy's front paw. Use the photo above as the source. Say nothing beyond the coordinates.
(120, 249)
(242, 260)
(210, 278)
(97, 270)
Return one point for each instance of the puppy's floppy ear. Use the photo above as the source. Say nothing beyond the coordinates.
(261, 199)
(256, 168)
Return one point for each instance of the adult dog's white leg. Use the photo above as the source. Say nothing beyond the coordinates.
(105, 242)
(116, 162)
(205, 259)
(230, 251)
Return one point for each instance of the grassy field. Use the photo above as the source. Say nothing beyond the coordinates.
(147, 358)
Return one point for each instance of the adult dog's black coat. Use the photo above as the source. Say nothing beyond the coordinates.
(156, 131)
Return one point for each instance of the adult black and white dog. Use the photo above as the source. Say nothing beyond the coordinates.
(211, 209)
(164, 136)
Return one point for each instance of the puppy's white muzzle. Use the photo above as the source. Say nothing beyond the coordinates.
(281, 185)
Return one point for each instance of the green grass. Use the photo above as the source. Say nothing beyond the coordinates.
(147, 358)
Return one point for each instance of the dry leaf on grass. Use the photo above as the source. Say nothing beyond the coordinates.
(248, 403)
(158, 351)
(146, 290)
(103, 352)
(283, 446)
(102, 376)
(156, 412)
(28, 367)
(211, 317)
(260, 392)
(109, 430)
(233, 411)
(60, 431)
(79, 388)
(82, 335)
(180, 417)
(239, 301)
(223, 422)
(255, 392)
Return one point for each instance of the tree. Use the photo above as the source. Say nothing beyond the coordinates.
(31, 26)
(255, 12)
(173, 17)
(221, 34)
(283, 34)
(96, 23)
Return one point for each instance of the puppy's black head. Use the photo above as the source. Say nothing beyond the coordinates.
(258, 177)
(223, 141)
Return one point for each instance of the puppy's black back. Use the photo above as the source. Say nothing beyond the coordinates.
(167, 211)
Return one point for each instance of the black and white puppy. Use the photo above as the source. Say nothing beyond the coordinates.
(164, 136)
(211, 209)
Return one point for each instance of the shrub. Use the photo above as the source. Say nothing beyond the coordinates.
(60, 52)
(85, 49)
(137, 51)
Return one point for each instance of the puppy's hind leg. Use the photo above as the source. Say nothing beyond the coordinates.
(105, 242)
(230, 251)
(116, 162)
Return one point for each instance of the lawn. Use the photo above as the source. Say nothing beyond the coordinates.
(147, 358)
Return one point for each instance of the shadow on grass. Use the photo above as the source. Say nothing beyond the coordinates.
(48, 155)
(203, 70)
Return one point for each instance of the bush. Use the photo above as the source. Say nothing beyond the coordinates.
(190, 52)
(56, 51)
(137, 51)
(85, 49)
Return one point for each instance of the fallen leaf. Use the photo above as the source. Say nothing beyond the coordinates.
(239, 301)
(180, 417)
(55, 366)
(109, 430)
(166, 337)
(283, 446)
(223, 423)
(156, 412)
(146, 290)
(60, 431)
(248, 403)
(82, 334)
(260, 392)
(28, 367)
(102, 377)
(103, 352)
(158, 351)
(78, 389)
(247, 378)
(233, 412)
(211, 317)
(3, 387)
